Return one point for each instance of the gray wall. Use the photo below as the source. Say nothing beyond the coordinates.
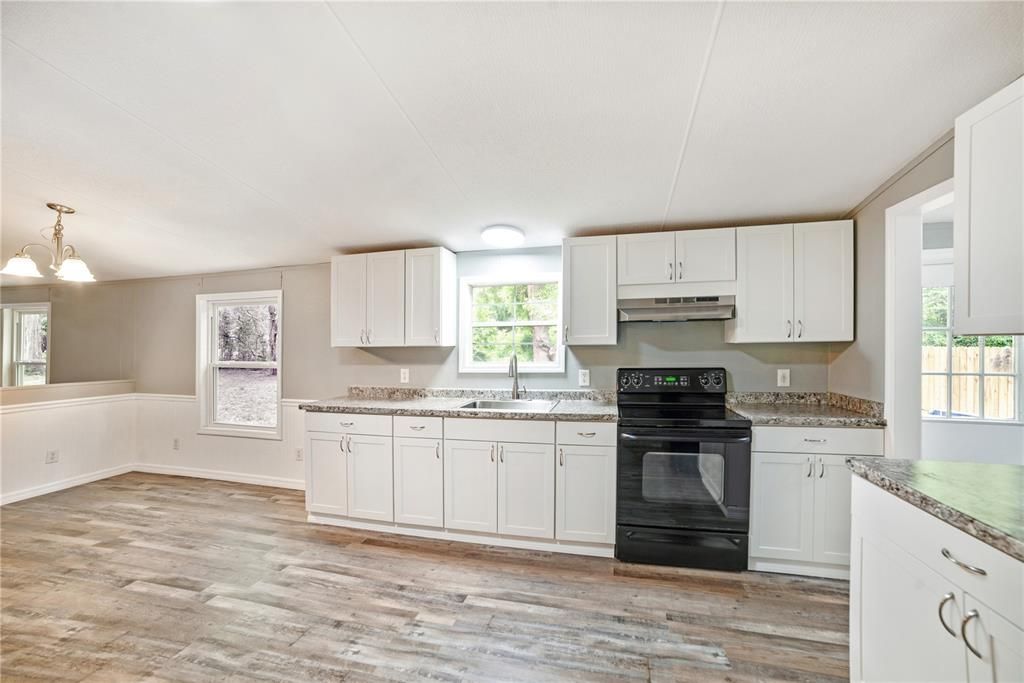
(156, 338)
(857, 367)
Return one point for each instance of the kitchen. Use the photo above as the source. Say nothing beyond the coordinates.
(687, 382)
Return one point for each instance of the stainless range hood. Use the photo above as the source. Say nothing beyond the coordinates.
(672, 308)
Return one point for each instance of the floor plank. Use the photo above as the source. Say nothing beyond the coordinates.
(160, 578)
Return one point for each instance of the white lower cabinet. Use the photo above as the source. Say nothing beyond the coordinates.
(370, 480)
(585, 494)
(526, 489)
(782, 506)
(470, 485)
(419, 482)
(326, 473)
(831, 541)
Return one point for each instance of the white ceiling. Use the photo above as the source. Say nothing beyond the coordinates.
(198, 137)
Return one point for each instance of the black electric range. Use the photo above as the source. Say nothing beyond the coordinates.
(683, 470)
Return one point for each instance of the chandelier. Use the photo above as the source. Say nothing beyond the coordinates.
(63, 257)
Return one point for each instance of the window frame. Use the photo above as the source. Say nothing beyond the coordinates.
(466, 284)
(207, 364)
(13, 366)
(1017, 373)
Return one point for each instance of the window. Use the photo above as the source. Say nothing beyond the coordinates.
(965, 377)
(26, 344)
(499, 318)
(239, 363)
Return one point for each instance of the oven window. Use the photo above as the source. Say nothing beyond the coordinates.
(687, 478)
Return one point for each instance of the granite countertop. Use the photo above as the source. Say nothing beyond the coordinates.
(805, 415)
(982, 500)
(564, 409)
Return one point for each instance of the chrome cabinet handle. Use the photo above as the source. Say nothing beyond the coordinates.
(561, 457)
(789, 329)
(587, 435)
(973, 614)
(437, 450)
(963, 565)
(679, 273)
(349, 445)
(437, 336)
(566, 335)
(821, 472)
(346, 424)
(417, 428)
(942, 603)
(492, 452)
(799, 328)
(501, 454)
(668, 269)
(816, 440)
(369, 336)
(341, 444)
(362, 336)
(810, 468)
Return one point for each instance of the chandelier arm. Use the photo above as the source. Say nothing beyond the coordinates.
(49, 251)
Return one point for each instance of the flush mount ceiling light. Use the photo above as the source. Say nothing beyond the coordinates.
(503, 236)
(63, 257)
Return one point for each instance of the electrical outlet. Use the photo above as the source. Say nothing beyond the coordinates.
(298, 454)
(403, 375)
(52, 457)
(176, 445)
(783, 377)
(584, 378)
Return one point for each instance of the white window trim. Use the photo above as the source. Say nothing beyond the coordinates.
(205, 386)
(12, 341)
(466, 364)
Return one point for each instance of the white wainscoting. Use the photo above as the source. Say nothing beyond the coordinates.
(103, 436)
(95, 438)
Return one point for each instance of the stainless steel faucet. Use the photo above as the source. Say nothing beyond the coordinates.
(513, 372)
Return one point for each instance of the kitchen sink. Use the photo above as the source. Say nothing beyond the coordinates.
(524, 405)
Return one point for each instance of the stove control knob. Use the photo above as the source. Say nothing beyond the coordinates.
(637, 380)
(704, 381)
(624, 381)
(716, 380)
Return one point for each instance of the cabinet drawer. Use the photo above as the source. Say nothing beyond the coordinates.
(515, 431)
(837, 440)
(587, 433)
(423, 427)
(349, 423)
(925, 537)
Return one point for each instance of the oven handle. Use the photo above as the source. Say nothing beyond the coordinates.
(709, 437)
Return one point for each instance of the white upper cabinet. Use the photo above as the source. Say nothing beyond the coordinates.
(348, 300)
(988, 222)
(385, 298)
(430, 297)
(794, 283)
(706, 255)
(647, 258)
(589, 290)
(764, 285)
(823, 281)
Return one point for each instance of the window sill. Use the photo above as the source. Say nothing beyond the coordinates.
(241, 432)
(972, 421)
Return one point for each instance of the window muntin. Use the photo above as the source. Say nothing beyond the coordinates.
(501, 317)
(968, 377)
(239, 371)
(31, 341)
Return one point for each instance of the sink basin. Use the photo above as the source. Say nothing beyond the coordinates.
(523, 405)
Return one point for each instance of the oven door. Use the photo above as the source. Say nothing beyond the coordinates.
(684, 478)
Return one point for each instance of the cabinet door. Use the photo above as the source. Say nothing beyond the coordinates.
(585, 494)
(781, 506)
(370, 481)
(764, 285)
(901, 635)
(647, 258)
(706, 255)
(471, 485)
(823, 281)
(988, 222)
(429, 297)
(589, 290)
(831, 510)
(385, 298)
(348, 300)
(326, 474)
(419, 482)
(526, 489)
(999, 642)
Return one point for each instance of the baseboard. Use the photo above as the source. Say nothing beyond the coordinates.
(822, 571)
(52, 487)
(552, 546)
(219, 475)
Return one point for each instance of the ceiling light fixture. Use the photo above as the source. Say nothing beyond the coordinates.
(503, 236)
(63, 257)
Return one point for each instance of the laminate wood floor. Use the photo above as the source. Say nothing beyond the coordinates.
(158, 578)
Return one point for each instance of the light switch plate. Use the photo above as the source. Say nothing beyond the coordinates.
(584, 378)
(403, 375)
(783, 377)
